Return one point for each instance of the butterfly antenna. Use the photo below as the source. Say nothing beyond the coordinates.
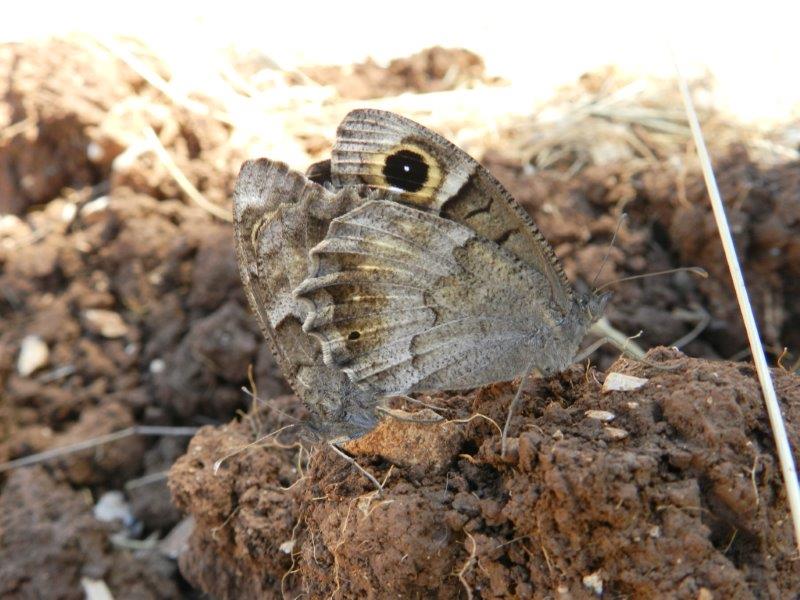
(700, 272)
(622, 217)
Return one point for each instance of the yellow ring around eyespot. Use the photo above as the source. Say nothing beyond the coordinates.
(422, 197)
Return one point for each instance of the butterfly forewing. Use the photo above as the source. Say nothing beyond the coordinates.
(384, 150)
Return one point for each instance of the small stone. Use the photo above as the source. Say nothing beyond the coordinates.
(287, 547)
(600, 415)
(615, 433)
(68, 212)
(594, 582)
(654, 532)
(705, 594)
(95, 589)
(112, 506)
(33, 355)
(105, 322)
(95, 152)
(177, 540)
(12, 224)
(94, 211)
(619, 382)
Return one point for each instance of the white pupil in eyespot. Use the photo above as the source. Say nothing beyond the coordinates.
(406, 168)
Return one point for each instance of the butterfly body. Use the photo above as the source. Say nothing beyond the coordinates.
(410, 269)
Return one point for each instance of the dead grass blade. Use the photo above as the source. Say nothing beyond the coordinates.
(742, 296)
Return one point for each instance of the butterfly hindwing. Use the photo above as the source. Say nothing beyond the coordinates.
(404, 300)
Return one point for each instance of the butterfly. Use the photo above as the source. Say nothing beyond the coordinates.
(401, 265)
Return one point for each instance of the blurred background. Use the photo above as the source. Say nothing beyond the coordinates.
(121, 134)
(748, 48)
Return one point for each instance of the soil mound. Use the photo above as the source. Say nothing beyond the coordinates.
(672, 490)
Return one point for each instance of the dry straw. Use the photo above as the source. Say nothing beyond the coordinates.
(742, 297)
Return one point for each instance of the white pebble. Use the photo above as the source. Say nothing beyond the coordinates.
(95, 589)
(112, 507)
(619, 382)
(33, 355)
(615, 433)
(105, 322)
(594, 582)
(600, 415)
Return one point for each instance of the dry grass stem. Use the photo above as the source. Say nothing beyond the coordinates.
(183, 182)
(53, 453)
(734, 266)
(259, 442)
(360, 469)
(468, 565)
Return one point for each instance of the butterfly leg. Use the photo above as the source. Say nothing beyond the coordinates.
(626, 351)
(512, 408)
(402, 415)
(352, 461)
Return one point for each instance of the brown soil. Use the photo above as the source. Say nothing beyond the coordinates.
(136, 294)
(680, 493)
(431, 70)
(50, 541)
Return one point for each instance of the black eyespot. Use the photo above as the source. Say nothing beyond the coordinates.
(406, 170)
(354, 335)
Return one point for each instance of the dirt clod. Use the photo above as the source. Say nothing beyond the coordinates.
(691, 493)
(431, 70)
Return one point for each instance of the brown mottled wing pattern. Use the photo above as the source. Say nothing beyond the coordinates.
(449, 286)
(399, 265)
(279, 215)
(457, 188)
(405, 300)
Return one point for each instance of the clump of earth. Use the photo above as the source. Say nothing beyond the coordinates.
(671, 489)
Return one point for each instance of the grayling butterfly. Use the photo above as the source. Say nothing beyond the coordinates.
(410, 269)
